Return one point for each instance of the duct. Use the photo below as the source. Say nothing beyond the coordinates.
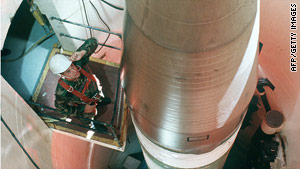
(189, 70)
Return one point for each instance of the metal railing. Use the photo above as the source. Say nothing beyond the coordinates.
(73, 37)
(108, 125)
(86, 26)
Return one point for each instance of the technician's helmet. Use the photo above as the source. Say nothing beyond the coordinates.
(59, 63)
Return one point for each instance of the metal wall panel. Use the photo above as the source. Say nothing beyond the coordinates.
(28, 128)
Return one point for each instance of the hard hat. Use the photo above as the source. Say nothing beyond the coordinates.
(59, 63)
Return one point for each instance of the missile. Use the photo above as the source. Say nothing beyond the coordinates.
(189, 70)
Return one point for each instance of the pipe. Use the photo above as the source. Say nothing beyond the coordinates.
(189, 75)
(34, 9)
(85, 26)
(53, 109)
(73, 37)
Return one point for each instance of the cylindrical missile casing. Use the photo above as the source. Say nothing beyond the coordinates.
(189, 70)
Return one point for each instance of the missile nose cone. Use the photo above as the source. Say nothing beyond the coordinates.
(189, 75)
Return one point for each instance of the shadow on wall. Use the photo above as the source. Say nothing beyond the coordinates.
(15, 43)
(22, 72)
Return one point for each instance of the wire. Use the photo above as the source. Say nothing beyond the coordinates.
(114, 6)
(86, 17)
(17, 140)
(103, 23)
(40, 41)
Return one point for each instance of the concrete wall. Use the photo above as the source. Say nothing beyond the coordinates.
(274, 63)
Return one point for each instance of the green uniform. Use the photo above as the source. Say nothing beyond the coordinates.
(66, 102)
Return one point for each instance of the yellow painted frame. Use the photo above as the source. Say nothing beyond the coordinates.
(110, 143)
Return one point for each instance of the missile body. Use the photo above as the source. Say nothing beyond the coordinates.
(189, 70)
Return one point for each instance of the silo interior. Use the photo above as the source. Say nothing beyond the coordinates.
(28, 141)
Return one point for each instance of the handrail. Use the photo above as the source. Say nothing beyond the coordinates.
(85, 26)
(77, 38)
(76, 124)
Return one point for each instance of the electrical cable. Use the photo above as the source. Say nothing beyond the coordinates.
(19, 143)
(114, 6)
(41, 40)
(103, 23)
(86, 17)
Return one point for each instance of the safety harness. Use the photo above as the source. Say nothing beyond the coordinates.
(95, 99)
